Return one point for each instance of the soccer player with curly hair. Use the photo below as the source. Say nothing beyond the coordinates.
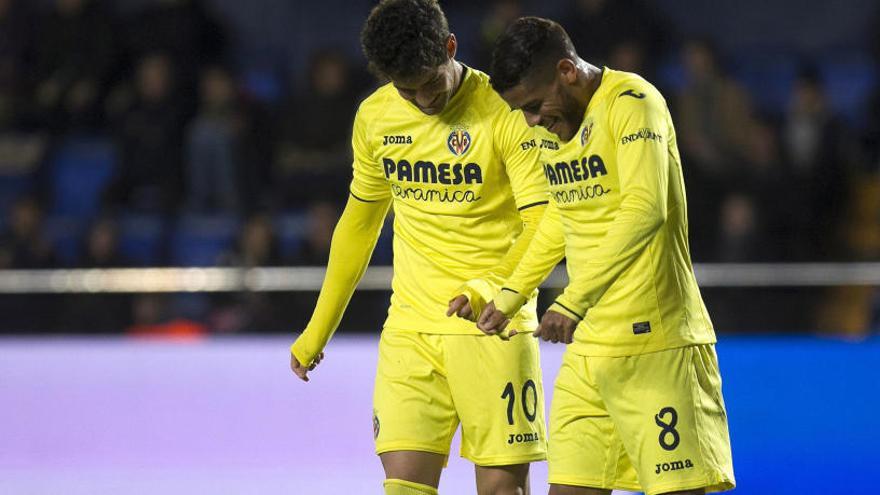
(461, 172)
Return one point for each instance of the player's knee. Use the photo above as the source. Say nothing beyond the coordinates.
(505, 480)
(403, 487)
(577, 490)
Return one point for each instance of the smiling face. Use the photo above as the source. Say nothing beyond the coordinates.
(547, 100)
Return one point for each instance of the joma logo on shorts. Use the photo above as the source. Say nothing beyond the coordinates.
(523, 438)
(674, 466)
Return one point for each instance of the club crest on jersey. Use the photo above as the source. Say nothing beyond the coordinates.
(586, 133)
(459, 141)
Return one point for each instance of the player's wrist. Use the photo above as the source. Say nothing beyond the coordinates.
(509, 302)
(478, 292)
(300, 351)
(567, 309)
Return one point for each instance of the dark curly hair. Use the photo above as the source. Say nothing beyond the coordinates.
(528, 43)
(405, 38)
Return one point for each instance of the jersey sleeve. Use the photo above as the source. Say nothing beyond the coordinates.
(516, 145)
(368, 181)
(545, 251)
(352, 245)
(641, 127)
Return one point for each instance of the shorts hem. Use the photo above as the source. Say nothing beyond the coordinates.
(710, 486)
(418, 447)
(583, 482)
(490, 461)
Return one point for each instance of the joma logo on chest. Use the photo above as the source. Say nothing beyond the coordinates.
(396, 140)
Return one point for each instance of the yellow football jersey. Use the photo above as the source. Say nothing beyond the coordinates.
(618, 201)
(456, 180)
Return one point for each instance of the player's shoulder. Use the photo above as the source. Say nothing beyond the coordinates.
(376, 101)
(629, 87)
(483, 97)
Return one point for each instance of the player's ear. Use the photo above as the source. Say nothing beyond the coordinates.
(566, 71)
(451, 45)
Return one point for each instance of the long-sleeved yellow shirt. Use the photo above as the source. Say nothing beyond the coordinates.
(618, 214)
(467, 194)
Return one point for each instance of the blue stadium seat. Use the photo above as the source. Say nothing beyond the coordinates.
(290, 228)
(768, 76)
(848, 80)
(80, 170)
(141, 238)
(200, 240)
(13, 187)
(67, 235)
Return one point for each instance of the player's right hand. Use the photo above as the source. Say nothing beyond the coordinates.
(302, 372)
(492, 321)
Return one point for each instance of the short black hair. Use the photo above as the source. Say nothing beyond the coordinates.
(405, 38)
(527, 44)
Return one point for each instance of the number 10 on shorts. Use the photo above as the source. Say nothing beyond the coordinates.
(528, 400)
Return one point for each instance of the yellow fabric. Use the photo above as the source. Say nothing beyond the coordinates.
(353, 241)
(480, 291)
(425, 387)
(403, 487)
(457, 181)
(618, 205)
(649, 422)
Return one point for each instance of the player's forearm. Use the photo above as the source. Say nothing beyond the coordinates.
(531, 218)
(353, 241)
(637, 222)
(543, 253)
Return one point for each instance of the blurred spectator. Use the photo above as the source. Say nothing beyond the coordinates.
(738, 230)
(600, 28)
(322, 218)
(15, 43)
(313, 149)
(149, 133)
(712, 123)
(251, 311)
(257, 244)
(73, 59)
(500, 15)
(102, 246)
(212, 145)
(819, 148)
(186, 31)
(103, 312)
(24, 244)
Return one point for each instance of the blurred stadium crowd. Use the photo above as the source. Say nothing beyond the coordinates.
(139, 137)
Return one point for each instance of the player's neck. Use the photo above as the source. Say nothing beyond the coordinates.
(589, 79)
(458, 76)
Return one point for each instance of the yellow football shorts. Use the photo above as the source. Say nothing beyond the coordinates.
(652, 422)
(426, 384)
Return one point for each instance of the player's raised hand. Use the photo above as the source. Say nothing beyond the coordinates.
(492, 321)
(556, 327)
(460, 305)
(302, 372)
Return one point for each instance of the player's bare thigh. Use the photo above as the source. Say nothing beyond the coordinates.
(582, 490)
(415, 466)
(503, 480)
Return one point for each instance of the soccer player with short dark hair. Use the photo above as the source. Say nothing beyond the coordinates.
(462, 173)
(637, 404)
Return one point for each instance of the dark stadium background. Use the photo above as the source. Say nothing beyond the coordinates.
(175, 133)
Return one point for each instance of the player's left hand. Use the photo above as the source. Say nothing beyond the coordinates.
(460, 305)
(556, 327)
(302, 372)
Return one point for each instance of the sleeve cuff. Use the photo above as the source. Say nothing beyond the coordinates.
(299, 351)
(563, 309)
(478, 291)
(509, 302)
